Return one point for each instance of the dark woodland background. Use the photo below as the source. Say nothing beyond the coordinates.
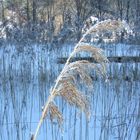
(58, 21)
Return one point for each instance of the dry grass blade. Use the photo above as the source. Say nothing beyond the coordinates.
(97, 53)
(82, 68)
(74, 97)
(65, 84)
(109, 25)
(107, 31)
(55, 113)
(78, 68)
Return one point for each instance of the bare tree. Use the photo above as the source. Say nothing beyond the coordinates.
(27, 10)
(34, 6)
(2, 10)
(127, 10)
(80, 6)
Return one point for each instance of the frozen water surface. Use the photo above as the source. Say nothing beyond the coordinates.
(28, 72)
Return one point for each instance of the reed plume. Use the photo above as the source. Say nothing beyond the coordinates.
(65, 85)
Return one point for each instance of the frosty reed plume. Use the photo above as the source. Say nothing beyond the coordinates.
(65, 85)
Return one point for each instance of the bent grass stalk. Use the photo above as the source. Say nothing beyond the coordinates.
(65, 83)
(52, 96)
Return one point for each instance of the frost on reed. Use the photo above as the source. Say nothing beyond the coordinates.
(65, 85)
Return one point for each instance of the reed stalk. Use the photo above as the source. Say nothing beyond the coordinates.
(65, 83)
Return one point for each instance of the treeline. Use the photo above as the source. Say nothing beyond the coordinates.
(61, 20)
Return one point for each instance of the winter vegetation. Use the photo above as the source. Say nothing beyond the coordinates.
(65, 85)
(60, 21)
(27, 75)
(56, 80)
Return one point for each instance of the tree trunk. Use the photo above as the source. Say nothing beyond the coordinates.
(100, 9)
(28, 14)
(120, 8)
(78, 20)
(127, 11)
(137, 11)
(34, 11)
(2, 11)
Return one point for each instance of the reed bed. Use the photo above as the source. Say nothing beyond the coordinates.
(65, 84)
(27, 77)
